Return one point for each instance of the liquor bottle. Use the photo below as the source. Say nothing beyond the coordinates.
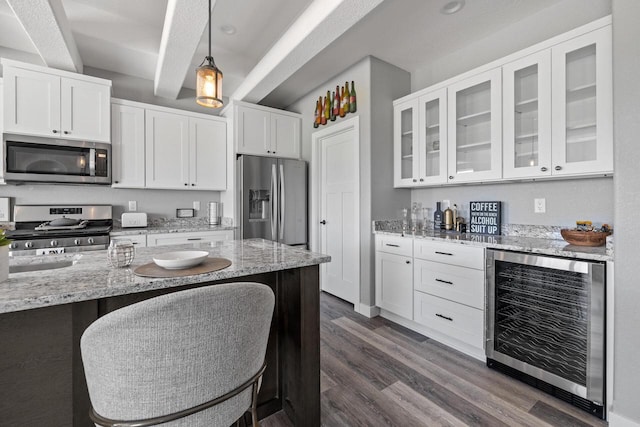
(346, 97)
(353, 106)
(316, 116)
(319, 112)
(448, 218)
(323, 106)
(333, 103)
(437, 217)
(336, 102)
(327, 107)
(341, 103)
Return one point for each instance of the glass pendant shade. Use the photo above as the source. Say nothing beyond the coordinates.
(209, 84)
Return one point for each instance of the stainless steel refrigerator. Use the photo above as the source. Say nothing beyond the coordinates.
(273, 199)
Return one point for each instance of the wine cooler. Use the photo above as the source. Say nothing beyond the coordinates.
(546, 324)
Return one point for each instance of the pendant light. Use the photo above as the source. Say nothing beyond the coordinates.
(209, 79)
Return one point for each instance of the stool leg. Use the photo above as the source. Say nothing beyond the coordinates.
(254, 402)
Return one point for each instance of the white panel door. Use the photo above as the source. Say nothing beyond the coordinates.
(85, 110)
(405, 144)
(167, 150)
(432, 132)
(127, 149)
(339, 215)
(253, 132)
(285, 136)
(31, 103)
(208, 154)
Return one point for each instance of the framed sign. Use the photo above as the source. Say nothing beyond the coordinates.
(486, 218)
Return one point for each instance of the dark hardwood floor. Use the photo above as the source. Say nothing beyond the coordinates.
(377, 373)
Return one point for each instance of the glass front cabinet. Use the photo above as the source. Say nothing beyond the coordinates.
(420, 140)
(475, 128)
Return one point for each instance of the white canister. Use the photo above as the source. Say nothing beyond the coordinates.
(215, 212)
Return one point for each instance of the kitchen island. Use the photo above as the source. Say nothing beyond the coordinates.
(44, 313)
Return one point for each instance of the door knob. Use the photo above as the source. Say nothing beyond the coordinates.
(323, 222)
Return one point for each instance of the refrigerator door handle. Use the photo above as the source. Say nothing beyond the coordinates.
(274, 202)
(282, 201)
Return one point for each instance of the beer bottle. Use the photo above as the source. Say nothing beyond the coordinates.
(323, 119)
(352, 100)
(334, 101)
(341, 104)
(346, 98)
(316, 116)
(327, 107)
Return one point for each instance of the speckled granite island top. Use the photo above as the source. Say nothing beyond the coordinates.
(171, 228)
(91, 277)
(514, 243)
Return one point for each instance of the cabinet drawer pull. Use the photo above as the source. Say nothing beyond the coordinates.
(444, 317)
(195, 238)
(444, 281)
(389, 244)
(444, 253)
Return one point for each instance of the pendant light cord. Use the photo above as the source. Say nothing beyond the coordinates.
(209, 29)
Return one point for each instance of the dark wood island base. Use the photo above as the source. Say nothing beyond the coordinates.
(42, 380)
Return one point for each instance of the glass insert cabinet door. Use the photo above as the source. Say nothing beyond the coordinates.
(582, 104)
(527, 116)
(433, 138)
(475, 128)
(406, 144)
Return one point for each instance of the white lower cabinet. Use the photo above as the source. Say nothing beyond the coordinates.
(438, 287)
(196, 237)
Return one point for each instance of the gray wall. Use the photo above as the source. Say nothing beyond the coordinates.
(626, 109)
(374, 102)
(567, 200)
(157, 203)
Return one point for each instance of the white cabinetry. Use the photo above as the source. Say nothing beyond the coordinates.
(475, 128)
(127, 151)
(420, 137)
(394, 275)
(195, 237)
(45, 102)
(449, 294)
(138, 240)
(185, 152)
(266, 132)
(582, 104)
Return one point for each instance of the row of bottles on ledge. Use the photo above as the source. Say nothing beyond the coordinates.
(335, 104)
(449, 219)
(417, 219)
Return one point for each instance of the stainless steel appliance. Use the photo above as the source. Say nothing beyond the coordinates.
(34, 159)
(546, 324)
(273, 199)
(41, 229)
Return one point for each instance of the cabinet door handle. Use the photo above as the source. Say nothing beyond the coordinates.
(444, 253)
(415, 180)
(558, 168)
(544, 169)
(193, 185)
(186, 184)
(66, 132)
(389, 244)
(444, 317)
(421, 180)
(116, 182)
(450, 176)
(444, 281)
(323, 222)
(195, 238)
(55, 131)
(408, 262)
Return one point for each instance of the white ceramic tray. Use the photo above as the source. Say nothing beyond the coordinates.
(180, 259)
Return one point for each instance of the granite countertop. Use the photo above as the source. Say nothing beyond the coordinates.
(91, 277)
(168, 228)
(513, 243)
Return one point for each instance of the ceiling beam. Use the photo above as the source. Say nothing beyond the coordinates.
(46, 24)
(184, 24)
(316, 28)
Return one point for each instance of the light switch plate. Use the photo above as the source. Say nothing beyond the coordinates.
(539, 205)
(5, 214)
(196, 205)
(133, 206)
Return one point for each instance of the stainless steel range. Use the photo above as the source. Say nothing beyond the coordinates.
(43, 229)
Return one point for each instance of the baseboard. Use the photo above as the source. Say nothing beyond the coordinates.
(616, 420)
(367, 310)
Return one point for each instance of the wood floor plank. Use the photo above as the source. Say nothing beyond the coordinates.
(421, 407)
(325, 382)
(507, 412)
(556, 417)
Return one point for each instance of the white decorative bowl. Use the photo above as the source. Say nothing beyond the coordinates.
(180, 259)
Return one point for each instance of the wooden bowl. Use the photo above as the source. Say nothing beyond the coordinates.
(585, 238)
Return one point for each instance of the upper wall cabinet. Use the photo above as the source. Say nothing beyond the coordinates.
(420, 135)
(582, 104)
(127, 133)
(266, 132)
(475, 128)
(45, 102)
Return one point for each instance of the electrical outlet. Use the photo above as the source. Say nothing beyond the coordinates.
(539, 205)
(133, 206)
(196, 205)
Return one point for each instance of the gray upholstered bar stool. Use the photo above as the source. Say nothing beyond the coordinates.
(189, 358)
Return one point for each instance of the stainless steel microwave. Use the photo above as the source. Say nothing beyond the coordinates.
(35, 159)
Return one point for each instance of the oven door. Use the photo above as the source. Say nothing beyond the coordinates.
(33, 159)
(546, 318)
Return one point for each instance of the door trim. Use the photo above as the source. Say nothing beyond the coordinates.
(314, 172)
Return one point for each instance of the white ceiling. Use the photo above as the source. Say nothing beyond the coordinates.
(124, 36)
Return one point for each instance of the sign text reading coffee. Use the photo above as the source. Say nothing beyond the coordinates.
(486, 217)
